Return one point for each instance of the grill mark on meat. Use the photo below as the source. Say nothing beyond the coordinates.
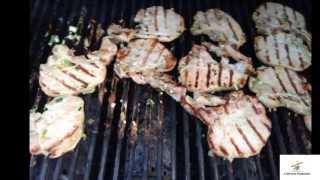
(224, 150)
(301, 60)
(246, 139)
(230, 78)
(61, 140)
(208, 75)
(267, 126)
(85, 70)
(287, 51)
(288, 55)
(197, 78)
(255, 109)
(225, 107)
(94, 64)
(186, 74)
(152, 46)
(236, 146)
(219, 75)
(291, 81)
(232, 29)
(257, 132)
(267, 50)
(85, 84)
(287, 15)
(281, 83)
(156, 18)
(188, 60)
(276, 48)
(63, 83)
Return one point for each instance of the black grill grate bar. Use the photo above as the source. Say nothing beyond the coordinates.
(131, 140)
(36, 28)
(258, 163)
(273, 167)
(277, 133)
(160, 119)
(108, 123)
(200, 151)
(186, 143)
(294, 149)
(121, 128)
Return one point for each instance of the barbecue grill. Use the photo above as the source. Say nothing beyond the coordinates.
(134, 132)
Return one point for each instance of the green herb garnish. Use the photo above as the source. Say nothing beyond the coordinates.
(67, 62)
(80, 108)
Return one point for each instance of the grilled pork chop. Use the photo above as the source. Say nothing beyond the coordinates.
(237, 129)
(270, 17)
(280, 87)
(158, 23)
(199, 72)
(59, 128)
(283, 49)
(219, 26)
(155, 22)
(66, 74)
(144, 56)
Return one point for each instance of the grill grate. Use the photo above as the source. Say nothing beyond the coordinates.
(169, 143)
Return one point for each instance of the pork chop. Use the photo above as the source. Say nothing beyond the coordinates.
(158, 23)
(154, 22)
(283, 49)
(199, 72)
(281, 87)
(219, 26)
(143, 56)
(237, 129)
(66, 74)
(59, 128)
(271, 16)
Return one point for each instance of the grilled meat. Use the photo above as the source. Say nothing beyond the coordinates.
(107, 51)
(59, 128)
(143, 56)
(237, 129)
(270, 17)
(219, 26)
(158, 23)
(154, 22)
(199, 72)
(66, 74)
(280, 87)
(283, 49)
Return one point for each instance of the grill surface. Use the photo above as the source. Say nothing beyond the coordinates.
(169, 143)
